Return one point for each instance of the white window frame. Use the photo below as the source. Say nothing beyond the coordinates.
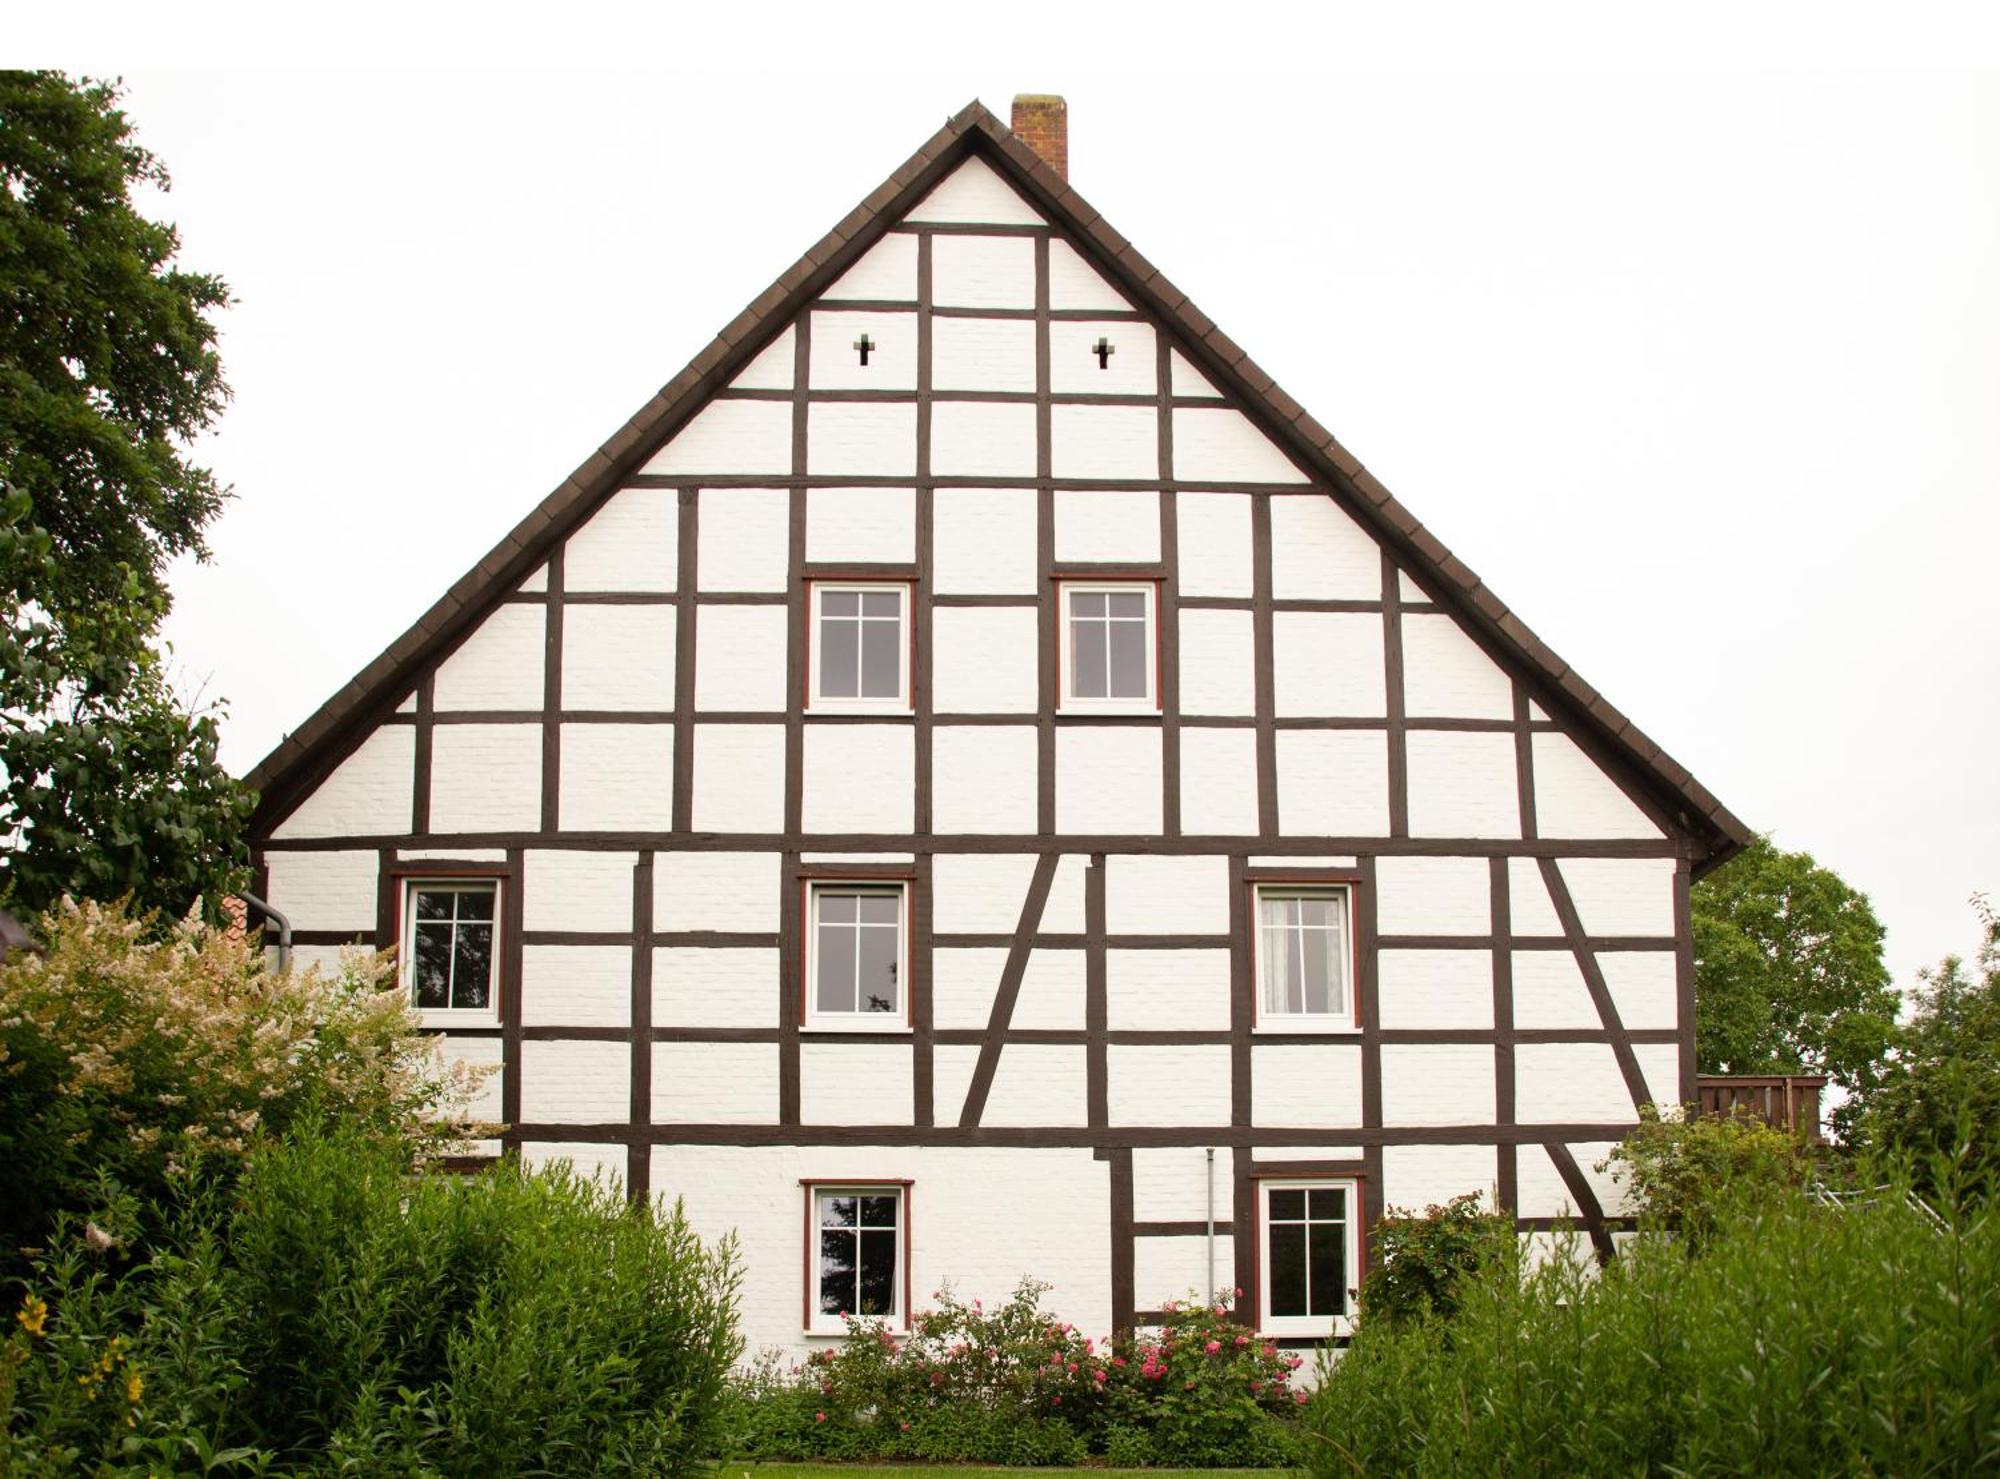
(1345, 1021)
(815, 701)
(1308, 1326)
(1069, 701)
(814, 1019)
(816, 1322)
(406, 953)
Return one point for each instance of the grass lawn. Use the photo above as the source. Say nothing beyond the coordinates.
(904, 1471)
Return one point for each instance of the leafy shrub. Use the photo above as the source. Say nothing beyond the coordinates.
(1683, 1172)
(1794, 1339)
(1937, 1097)
(1014, 1386)
(1420, 1261)
(347, 1317)
(147, 1057)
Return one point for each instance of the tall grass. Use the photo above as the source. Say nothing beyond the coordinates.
(1798, 1339)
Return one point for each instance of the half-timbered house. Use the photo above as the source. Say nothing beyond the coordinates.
(972, 780)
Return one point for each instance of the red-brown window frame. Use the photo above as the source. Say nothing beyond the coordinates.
(864, 874)
(404, 873)
(1253, 1292)
(1348, 879)
(1062, 579)
(908, 585)
(812, 1186)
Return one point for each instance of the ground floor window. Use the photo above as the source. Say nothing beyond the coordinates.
(1310, 1255)
(857, 1254)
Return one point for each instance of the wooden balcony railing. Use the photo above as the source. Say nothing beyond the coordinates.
(1783, 1101)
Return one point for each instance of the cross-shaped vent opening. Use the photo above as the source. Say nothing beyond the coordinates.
(1103, 349)
(865, 346)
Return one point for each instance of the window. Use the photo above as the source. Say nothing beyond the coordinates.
(1304, 958)
(1310, 1256)
(1108, 657)
(854, 935)
(448, 949)
(858, 1241)
(860, 647)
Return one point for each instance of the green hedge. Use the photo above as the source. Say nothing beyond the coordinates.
(1796, 1339)
(331, 1313)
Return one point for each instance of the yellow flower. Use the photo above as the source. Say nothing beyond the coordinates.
(134, 1385)
(33, 1315)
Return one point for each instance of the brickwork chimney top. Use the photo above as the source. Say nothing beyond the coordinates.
(1041, 121)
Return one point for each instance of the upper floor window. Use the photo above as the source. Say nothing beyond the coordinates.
(1310, 1256)
(857, 1253)
(860, 647)
(1109, 647)
(450, 935)
(855, 956)
(1304, 957)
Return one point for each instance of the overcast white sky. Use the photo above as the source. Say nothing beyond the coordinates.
(1687, 340)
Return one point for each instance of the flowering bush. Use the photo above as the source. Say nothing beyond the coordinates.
(1013, 1386)
(146, 1057)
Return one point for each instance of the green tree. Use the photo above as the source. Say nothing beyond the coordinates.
(1788, 970)
(109, 780)
(1939, 1092)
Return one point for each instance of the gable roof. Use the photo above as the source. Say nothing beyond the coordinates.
(306, 755)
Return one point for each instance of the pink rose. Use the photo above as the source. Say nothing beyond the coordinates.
(819, 1417)
(1056, 1400)
(1214, 1347)
(1097, 1375)
(1299, 1397)
(1242, 1340)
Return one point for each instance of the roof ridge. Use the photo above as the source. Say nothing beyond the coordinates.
(974, 128)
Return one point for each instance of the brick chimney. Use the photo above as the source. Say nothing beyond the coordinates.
(1041, 121)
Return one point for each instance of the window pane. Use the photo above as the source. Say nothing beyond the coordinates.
(1126, 603)
(1272, 953)
(840, 603)
(1329, 1268)
(878, 1273)
(1279, 910)
(1295, 999)
(1318, 913)
(475, 903)
(836, 1273)
(1087, 672)
(433, 903)
(878, 1211)
(877, 908)
(1329, 1204)
(472, 979)
(837, 1211)
(834, 990)
(836, 908)
(881, 603)
(1129, 658)
(430, 970)
(1086, 603)
(1316, 964)
(1288, 1268)
(877, 981)
(1288, 1204)
(881, 659)
(839, 659)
